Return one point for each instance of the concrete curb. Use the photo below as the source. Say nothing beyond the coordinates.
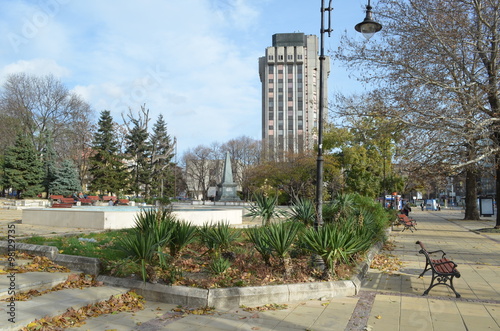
(88, 265)
(224, 298)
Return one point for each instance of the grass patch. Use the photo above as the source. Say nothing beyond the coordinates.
(102, 245)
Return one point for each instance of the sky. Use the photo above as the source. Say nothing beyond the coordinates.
(193, 61)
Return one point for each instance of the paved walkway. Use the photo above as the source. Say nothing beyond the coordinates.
(386, 302)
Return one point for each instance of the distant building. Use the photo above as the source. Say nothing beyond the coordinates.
(289, 73)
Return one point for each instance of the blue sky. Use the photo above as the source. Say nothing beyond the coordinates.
(194, 61)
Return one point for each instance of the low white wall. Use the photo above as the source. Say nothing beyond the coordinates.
(93, 219)
(200, 216)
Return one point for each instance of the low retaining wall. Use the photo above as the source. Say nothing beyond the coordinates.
(88, 265)
(223, 298)
(114, 218)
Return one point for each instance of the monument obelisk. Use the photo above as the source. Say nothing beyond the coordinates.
(226, 191)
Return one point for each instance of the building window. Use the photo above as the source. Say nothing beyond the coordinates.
(280, 57)
(271, 57)
(299, 56)
(290, 57)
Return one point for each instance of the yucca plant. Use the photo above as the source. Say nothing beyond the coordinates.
(141, 248)
(218, 237)
(159, 224)
(258, 237)
(280, 237)
(219, 265)
(335, 244)
(265, 208)
(183, 234)
(341, 207)
(303, 210)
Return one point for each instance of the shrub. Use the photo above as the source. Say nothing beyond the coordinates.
(218, 237)
(219, 265)
(303, 210)
(183, 234)
(280, 237)
(336, 243)
(258, 236)
(265, 208)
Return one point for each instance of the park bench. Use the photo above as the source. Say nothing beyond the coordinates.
(443, 270)
(86, 201)
(67, 200)
(93, 197)
(56, 197)
(123, 202)
(407, 222)
(108, 197)
(62, 205)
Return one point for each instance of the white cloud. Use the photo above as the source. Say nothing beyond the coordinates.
(40, 67)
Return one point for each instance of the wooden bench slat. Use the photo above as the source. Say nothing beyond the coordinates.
(62, 205)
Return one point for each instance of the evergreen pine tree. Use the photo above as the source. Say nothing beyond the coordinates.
(23, 171)
(162, 180)
(66, 180)
(106, 166)
(139, 151)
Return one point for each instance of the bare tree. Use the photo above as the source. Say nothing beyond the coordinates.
(42, 104)
(438, 68)
(198, 168)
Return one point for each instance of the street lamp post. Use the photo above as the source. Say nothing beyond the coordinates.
(368, 28)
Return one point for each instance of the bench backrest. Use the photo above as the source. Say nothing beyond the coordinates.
(67, 200)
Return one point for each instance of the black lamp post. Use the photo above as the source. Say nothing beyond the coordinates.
(368, 28)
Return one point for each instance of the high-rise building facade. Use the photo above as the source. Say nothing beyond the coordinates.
(289, 73)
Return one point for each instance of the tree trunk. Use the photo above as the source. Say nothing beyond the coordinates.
(497, 181)
(471, 210)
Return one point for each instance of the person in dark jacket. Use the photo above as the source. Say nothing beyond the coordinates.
(406, 209)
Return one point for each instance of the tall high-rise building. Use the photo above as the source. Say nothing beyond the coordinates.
(290, 89)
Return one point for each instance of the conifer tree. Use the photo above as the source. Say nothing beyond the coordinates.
(23, 171)
(139, 151)
(163, 181)
(66, 181)
(106, 166)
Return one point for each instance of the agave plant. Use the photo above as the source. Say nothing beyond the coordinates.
(183, 234)
(152, 232)
(159, 224)
(141, 248)
(258, 237)
(303, 210)
(280, 237)
(265, 208)
(218, 237)
(219, 265)
(341, 207)
(336, 244)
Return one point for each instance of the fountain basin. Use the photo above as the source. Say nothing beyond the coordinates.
(122, 217)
